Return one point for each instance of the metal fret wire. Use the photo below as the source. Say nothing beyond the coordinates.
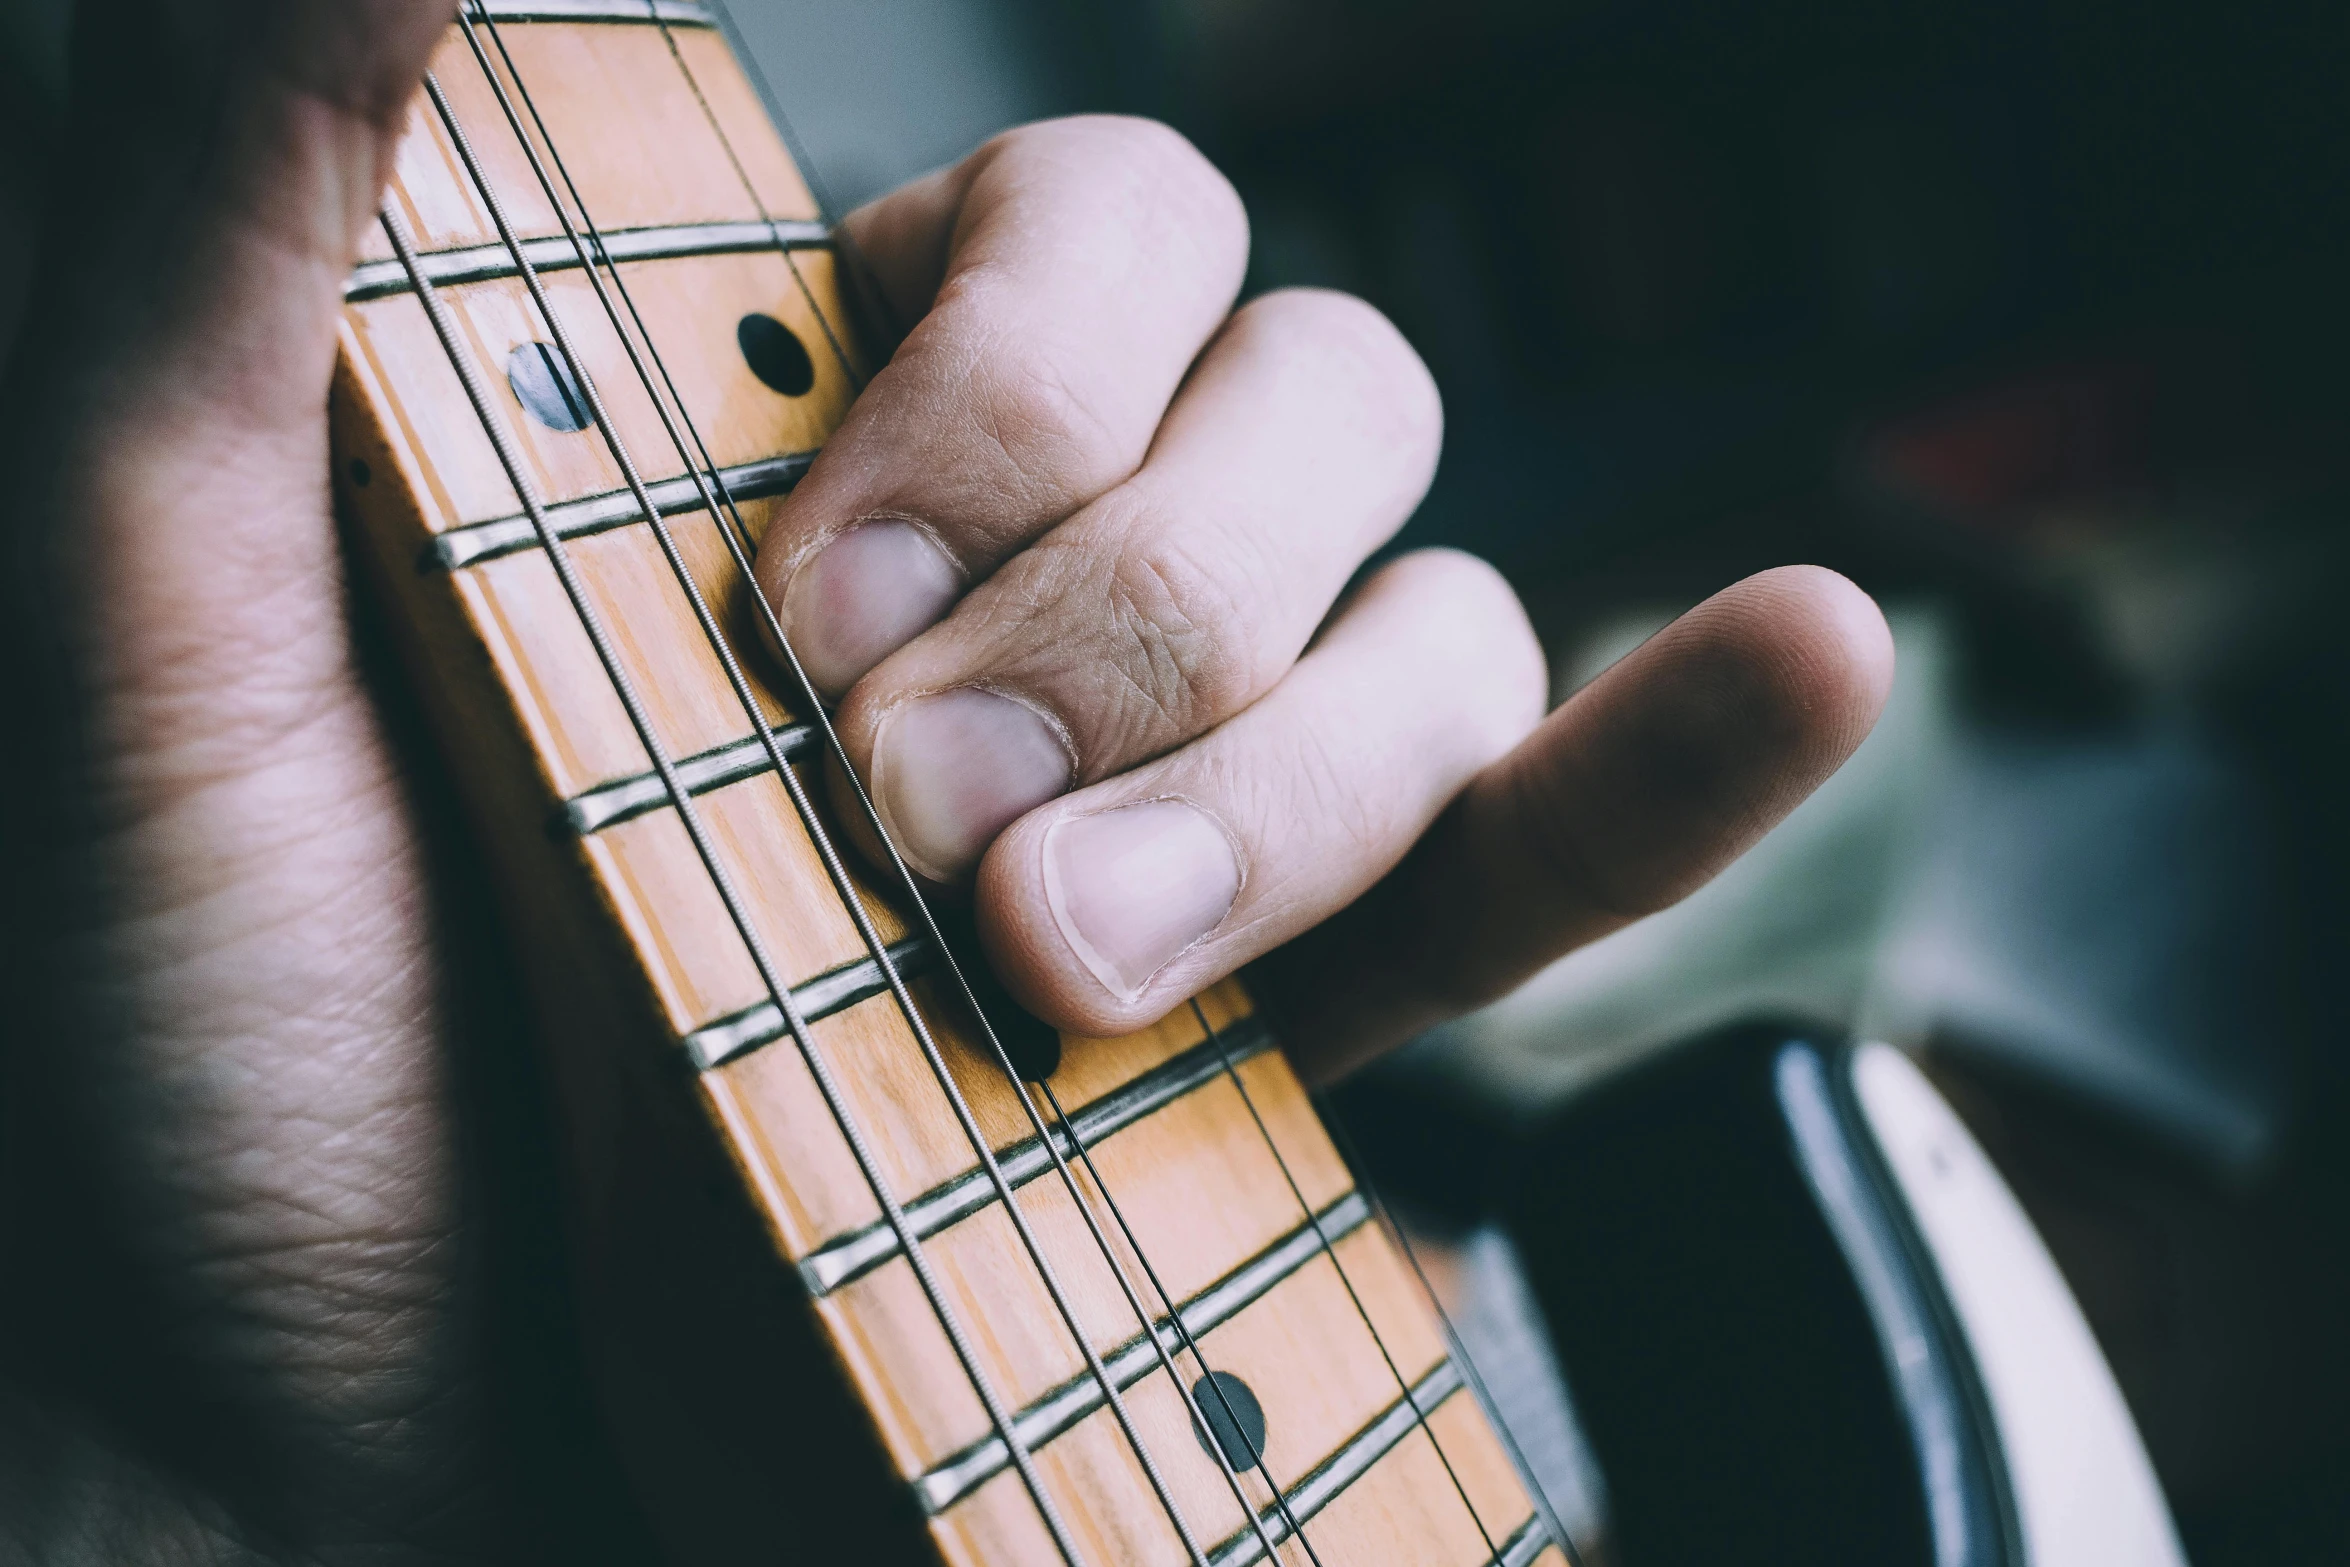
(1452, 1338)
(842, 887)
(559, 557)
(1331, 1251)
(881, 299)
(777, 988)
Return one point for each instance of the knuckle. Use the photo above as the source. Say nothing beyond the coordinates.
(1363, 823)
(1362, 349)
(1173, 176)
(1048, 429)
(1181, 646)
(1142, 174)
(1553, 832)
(1469, 621)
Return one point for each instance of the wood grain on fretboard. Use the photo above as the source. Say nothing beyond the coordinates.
(654, 122)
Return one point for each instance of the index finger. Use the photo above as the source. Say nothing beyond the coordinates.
(1064, 278)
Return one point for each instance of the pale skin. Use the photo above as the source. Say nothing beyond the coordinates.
(1086, 536)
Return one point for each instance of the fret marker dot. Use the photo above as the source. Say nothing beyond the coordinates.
(361, 474)
(1232, 1416)
(776, 355)
(1033, 1045)
(543, 385)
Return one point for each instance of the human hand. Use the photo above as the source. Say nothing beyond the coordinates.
(258, 1330)
(1074, 566)
(241, 1321)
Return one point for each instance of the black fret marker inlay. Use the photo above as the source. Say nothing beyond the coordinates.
(1233, 1416)
(1033, 1045)
(543, 385)
(361, 475)
(776, 355)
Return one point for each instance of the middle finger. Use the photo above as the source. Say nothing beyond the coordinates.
(1303, 440)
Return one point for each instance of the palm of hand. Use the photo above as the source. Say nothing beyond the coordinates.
(258, 1327)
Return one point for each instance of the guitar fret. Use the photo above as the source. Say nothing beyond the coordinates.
(629, 798)
(674, 13)
(1522, 1548)
(949, 1482)
(836, 991)
(852, 1256)
(555, 253)
(1343, 1468)
(481, 541)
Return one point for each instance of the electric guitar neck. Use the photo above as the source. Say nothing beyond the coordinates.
(871, 1264)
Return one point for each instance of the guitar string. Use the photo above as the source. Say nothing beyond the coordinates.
(1362, 1173)
(843, 888)
(1420, 1415)
(839, 350)
(1191, 1345)
(559, 558)
(893, 325)
(880, 295)
(707, 621)
(708, 461)
(843, 238)
(711, 631)
(1140, 1312)
(749, 701)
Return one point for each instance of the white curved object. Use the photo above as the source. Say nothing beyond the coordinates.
(2085, 1493)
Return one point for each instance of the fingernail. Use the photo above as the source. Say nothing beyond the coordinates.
(1131, 888)
(865, 595)
(953, 770)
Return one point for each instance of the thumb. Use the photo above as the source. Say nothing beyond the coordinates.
(1630, 797)
(222, 160)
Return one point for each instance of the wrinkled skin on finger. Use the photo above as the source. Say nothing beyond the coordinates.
(277, 1197)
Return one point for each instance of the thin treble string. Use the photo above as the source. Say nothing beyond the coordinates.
(839, 351)
(709, 464)
(847, 893)
(1199, 1358)
(621, 285)
(1460, 1349)
(559, 557)
(843, 239)
(1492, 1551)
(741, 687)
(716, 477)
(894, 324)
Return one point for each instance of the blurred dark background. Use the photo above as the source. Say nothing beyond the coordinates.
(2027, 314)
